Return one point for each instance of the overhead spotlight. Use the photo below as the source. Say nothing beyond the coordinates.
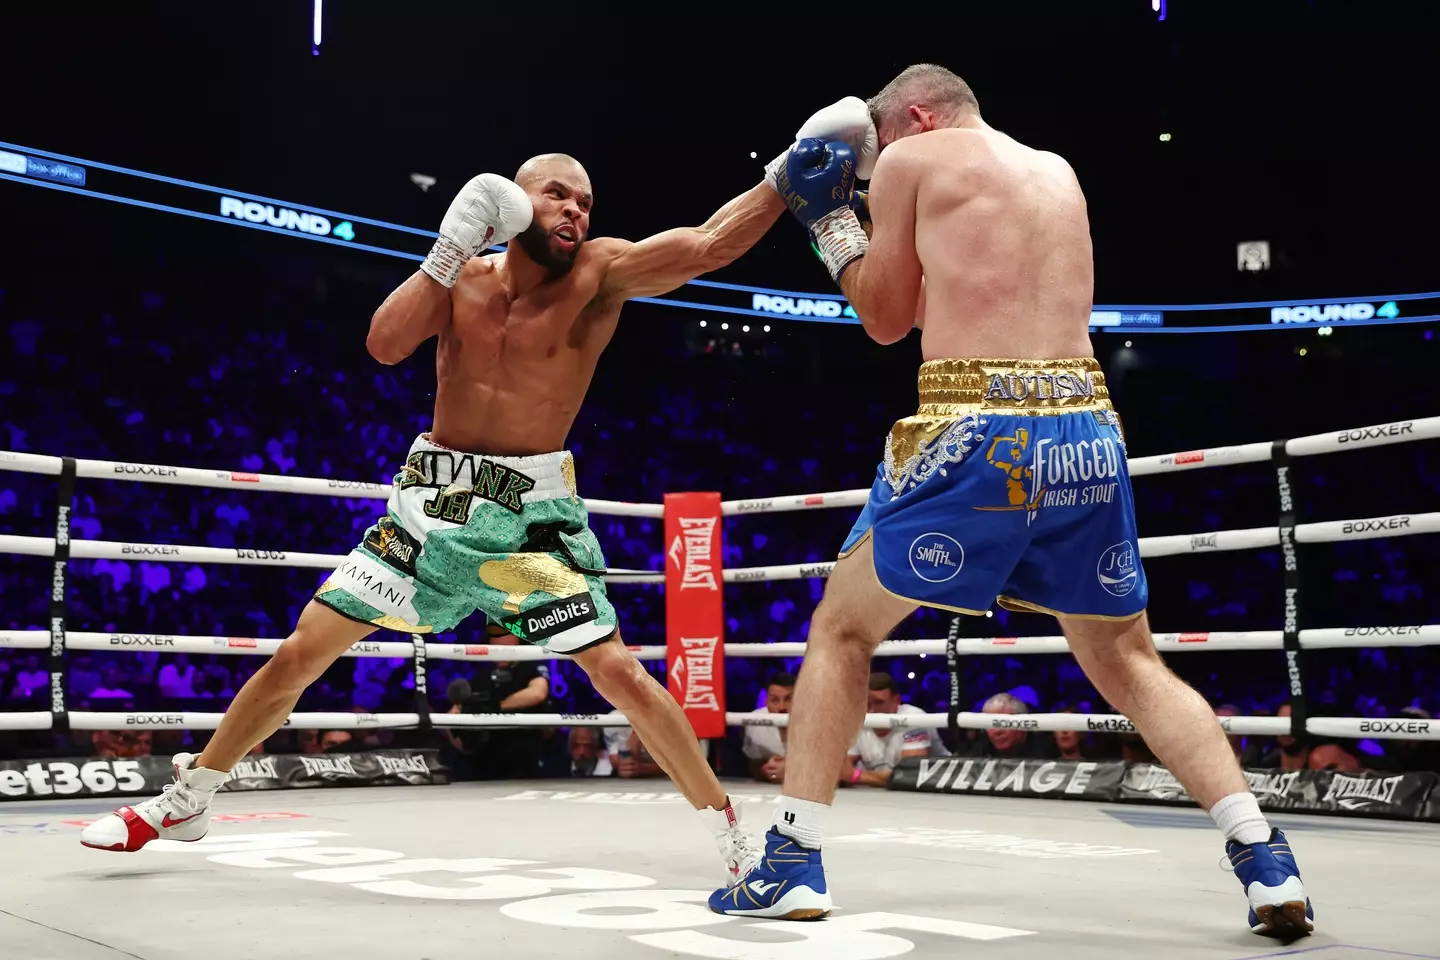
(1127, 343)
(767, 330)
(422, 180)
(724, 326)
(989, 613)
(911, 675)
(754, 155)
(922, 656)
(1325, 331)
(1303, 351)
(702, 323)
(1164, 138)
(745, 329)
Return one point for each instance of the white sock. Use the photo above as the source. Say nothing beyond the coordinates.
(1238, 816)
(802, 821)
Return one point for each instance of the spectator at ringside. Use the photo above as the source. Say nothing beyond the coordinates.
(1247, 749)
(1290, 753)
(764, 747)
(1072, 744)
(874, 753)
(627, 754)
(587, 756)
(1012, 743)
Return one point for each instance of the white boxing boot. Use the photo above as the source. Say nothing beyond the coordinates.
(180, 813)
(739, 852)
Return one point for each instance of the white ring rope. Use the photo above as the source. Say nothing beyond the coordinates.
(1353, 727)
(235, 479)
(1327, 638)
(1399, 431)
(1397, 525)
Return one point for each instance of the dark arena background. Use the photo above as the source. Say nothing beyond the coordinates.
(201, 206)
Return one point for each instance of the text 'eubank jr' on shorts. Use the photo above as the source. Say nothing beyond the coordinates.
(462, 532)
(1010, 482)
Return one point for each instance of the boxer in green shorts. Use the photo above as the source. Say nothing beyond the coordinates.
(463, 532)
(484, 514)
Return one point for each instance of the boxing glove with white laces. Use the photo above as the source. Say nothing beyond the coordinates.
(489, 209)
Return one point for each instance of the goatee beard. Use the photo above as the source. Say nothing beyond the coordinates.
(535, 241)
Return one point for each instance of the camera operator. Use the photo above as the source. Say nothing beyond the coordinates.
(515, 686)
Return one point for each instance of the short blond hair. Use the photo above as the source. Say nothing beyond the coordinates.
(927, 85)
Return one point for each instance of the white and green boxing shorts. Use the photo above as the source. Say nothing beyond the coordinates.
(462, 532)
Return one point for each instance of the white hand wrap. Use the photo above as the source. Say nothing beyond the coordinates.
(841, 240)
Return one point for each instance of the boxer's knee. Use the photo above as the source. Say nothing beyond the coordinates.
(1119, 658)
(317, 641)
(836, 625)
(615, 673)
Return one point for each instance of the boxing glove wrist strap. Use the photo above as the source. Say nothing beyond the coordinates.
(840, 239)
(445, 261)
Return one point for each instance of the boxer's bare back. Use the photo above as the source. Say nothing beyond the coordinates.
(520, 333)
(1001, 238)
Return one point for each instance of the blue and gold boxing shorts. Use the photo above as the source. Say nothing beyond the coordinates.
(1009, 483)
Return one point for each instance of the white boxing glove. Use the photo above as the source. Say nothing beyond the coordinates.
(848, 120)
(489, 209)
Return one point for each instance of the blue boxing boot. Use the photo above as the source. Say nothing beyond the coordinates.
(1279, 905)
(787, 884)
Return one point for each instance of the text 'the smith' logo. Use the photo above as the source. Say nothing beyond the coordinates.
(691, 550)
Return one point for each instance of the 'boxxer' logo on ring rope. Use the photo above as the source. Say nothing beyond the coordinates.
(936, 557)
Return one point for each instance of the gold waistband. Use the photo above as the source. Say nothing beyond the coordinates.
(956, 386)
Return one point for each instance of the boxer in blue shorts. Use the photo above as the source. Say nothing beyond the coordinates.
(1010, 474)
(1008, 484)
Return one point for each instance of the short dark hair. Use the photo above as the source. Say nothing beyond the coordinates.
(781, 680)
(882, 681)
(925, 84)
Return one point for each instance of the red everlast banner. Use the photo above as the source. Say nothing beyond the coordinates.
(694, 610)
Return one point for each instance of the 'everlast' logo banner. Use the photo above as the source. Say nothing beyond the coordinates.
(1359, 793)
(548, 619)
(1039, 386)
(691, 552)
(399, 766)
(260, 769)
(1151, 781)
(391, 543)
(694, 672)
(1267, 785)
(333, 766)
(458, 481)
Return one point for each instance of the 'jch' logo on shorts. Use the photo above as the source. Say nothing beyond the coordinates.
(936, 558)
(1119, 569)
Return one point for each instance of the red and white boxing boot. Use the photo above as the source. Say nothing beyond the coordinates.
(180, 813)
(738, 850)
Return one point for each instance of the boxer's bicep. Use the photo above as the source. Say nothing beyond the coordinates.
(884, 286)
(672, 259)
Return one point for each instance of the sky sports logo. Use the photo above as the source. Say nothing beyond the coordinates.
(1333, 312)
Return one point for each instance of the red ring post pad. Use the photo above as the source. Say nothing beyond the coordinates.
(695, 610)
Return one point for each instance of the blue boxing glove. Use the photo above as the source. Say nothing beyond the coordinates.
(818, 185)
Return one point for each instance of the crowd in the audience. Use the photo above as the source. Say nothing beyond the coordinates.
(256, 377)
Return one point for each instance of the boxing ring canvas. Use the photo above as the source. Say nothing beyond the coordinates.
(583, 868)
